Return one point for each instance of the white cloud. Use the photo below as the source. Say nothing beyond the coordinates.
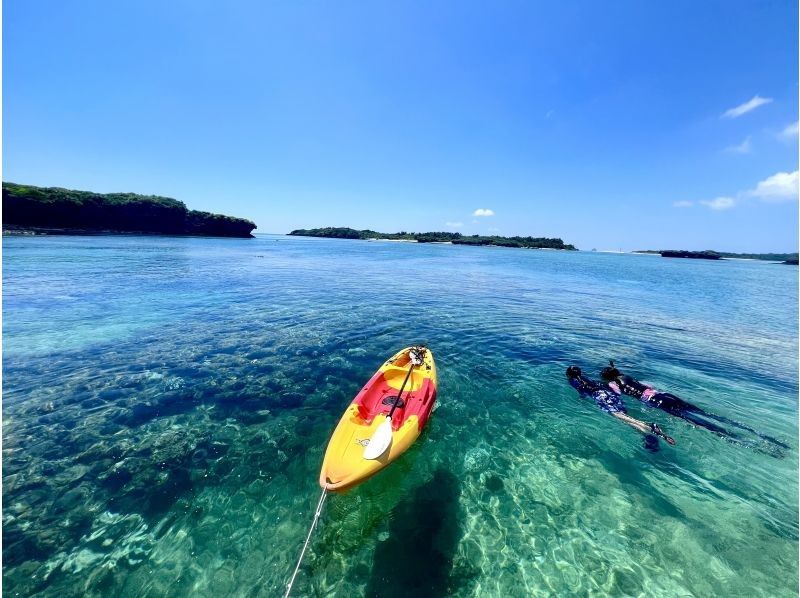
(483, 212)
(748, 106)
(454, 224)
(494, 229)
(742, 148)
(781, 186)
(789, 131)
(720, 203)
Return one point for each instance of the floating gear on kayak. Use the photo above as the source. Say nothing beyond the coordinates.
(417, 355)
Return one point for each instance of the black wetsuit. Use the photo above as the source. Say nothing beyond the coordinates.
(679, 408)
(611, 402)
(660, 400)
(608, 401)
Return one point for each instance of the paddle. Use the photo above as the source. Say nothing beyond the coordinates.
(382, 437)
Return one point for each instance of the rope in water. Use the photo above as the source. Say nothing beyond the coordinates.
(317, 514)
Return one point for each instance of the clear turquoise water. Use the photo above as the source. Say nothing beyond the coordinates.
(167, 403)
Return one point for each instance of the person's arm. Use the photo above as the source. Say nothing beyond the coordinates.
(643, 427)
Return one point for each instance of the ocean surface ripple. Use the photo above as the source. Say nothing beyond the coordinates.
(167, 402)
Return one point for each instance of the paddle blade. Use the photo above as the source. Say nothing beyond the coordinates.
(380, 441)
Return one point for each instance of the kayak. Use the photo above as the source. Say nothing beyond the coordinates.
(349, 459)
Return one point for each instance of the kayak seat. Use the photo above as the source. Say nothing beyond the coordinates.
(374, 402)
(394, 377)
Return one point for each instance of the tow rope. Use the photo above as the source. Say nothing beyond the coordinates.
(317, 514)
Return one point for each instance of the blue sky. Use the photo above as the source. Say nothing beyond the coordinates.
(613, 125)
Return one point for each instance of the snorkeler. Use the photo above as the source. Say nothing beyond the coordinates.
(622, 384)
(611, 402)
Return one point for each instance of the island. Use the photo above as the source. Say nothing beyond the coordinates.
(435, 237)
(52, 210)
(694, 255)
(789, 258)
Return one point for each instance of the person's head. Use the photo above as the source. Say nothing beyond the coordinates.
(610, 372)
(573, 371)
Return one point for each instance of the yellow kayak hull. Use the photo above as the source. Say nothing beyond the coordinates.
(344, 465)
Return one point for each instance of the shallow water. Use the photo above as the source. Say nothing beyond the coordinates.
(167, 403)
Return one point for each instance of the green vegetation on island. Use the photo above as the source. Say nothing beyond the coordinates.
(714, 255)
(694, 255)
(435, 237)
(65, 211)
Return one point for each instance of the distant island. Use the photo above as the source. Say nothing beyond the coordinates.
(52, 210)
(435, 237)
(694, 255)
(788, 258)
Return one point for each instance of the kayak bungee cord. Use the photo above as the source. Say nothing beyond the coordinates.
(317, 514)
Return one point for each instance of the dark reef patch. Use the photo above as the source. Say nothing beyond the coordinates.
(494, 484)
